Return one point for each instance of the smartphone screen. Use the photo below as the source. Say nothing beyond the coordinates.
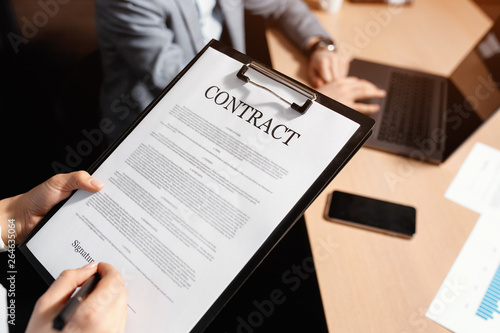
(368, 213)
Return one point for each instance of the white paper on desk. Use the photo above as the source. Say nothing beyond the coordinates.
(477, 183)
(193, 192)
(469, 298)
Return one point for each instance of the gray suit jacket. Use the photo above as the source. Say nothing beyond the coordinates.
(145, 43)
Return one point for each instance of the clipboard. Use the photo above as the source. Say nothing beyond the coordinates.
(287, 98)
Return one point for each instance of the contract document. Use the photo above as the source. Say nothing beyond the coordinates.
(199, 190)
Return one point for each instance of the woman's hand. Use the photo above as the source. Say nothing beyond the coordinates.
(28, 209)
(103, 311)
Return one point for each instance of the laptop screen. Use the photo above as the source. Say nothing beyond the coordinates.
(476, 82)
(473, 96)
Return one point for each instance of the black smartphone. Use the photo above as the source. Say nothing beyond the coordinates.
(368, 213)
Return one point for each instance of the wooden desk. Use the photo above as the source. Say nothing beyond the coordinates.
(431, 36)
(372, 282)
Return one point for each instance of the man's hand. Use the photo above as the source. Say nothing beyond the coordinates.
(351, 90)
(28, 209)
(326, 66)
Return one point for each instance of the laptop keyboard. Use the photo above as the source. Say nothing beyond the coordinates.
(408, 108)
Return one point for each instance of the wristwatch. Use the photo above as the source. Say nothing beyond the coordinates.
(324, 44)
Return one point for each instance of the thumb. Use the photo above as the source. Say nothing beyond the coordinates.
(74, 181)
(59, 187)
(33, 205)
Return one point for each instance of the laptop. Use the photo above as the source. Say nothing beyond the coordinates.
(425, 116)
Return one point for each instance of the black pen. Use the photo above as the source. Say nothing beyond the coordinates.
(73, 303)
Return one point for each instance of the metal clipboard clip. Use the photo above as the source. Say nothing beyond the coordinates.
(311, 96)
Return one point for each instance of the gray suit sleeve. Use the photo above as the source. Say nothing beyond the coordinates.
(292, 17)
